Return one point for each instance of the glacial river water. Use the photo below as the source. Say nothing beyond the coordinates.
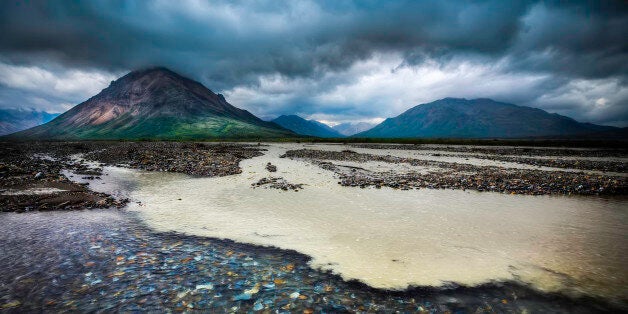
(163, 252)
(393, 239)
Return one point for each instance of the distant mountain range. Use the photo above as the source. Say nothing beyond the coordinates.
(13, 120)
(351, 128)
(306, 127)
(155, 104)
(479, 118)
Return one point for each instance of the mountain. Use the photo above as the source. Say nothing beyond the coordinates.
(13, 120)
(479, 118)
(612, 134)
(155, 103)
(351, 128)
(306, 127)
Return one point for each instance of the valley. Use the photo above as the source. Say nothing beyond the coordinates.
(308, 156)
(366, 225)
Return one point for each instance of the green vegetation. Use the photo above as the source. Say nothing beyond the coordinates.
(479, 118)
(159, 128)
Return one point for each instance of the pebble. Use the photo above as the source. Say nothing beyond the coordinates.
(119, 266)
(199, 159)
(207, 286)
(41, 169)
(116, 264)
(49, 158)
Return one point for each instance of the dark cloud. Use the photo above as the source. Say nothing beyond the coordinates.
(226, 44)
(233, 42)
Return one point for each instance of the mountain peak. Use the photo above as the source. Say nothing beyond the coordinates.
(156, 70)
(478, 118)
(155, 103)
(291, 116)
(153, 74)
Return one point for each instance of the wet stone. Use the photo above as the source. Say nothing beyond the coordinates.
(36, 182)
(64, 262)
(271, 168)
(277, 183)
(108, 261)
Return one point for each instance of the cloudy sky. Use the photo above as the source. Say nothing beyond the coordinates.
(333, 61)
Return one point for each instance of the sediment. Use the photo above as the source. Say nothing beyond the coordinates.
(451, 175)
(31, 175)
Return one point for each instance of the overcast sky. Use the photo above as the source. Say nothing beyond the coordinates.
(333, 61)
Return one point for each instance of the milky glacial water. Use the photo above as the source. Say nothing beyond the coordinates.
(394, 239)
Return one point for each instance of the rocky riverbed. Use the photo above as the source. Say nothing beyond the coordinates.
(31, 179)
(107, 261)
(505, 150)
(198, 159)
(163, 253)
(31, 175)
(461, 175)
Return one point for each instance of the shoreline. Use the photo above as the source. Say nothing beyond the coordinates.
(43, 170)
(464, 295)
(459, 175)
(412, 290)
(290, 266)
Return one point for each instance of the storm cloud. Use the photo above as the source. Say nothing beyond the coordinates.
(329, 60)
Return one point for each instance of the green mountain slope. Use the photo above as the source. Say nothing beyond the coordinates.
(478, 118)
(155, 104)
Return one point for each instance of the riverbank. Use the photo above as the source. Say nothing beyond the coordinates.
(430, 171)
(107, 260)
(32, 178)
(328, 247)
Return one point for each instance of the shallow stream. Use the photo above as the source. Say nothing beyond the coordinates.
(394, 239)
(505, 252)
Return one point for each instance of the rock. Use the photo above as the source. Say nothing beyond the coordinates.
(11, 304)
(277, 183)
(242, 297)
(253, 290)
(207, 286)
(271, 168)
(452, 175)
